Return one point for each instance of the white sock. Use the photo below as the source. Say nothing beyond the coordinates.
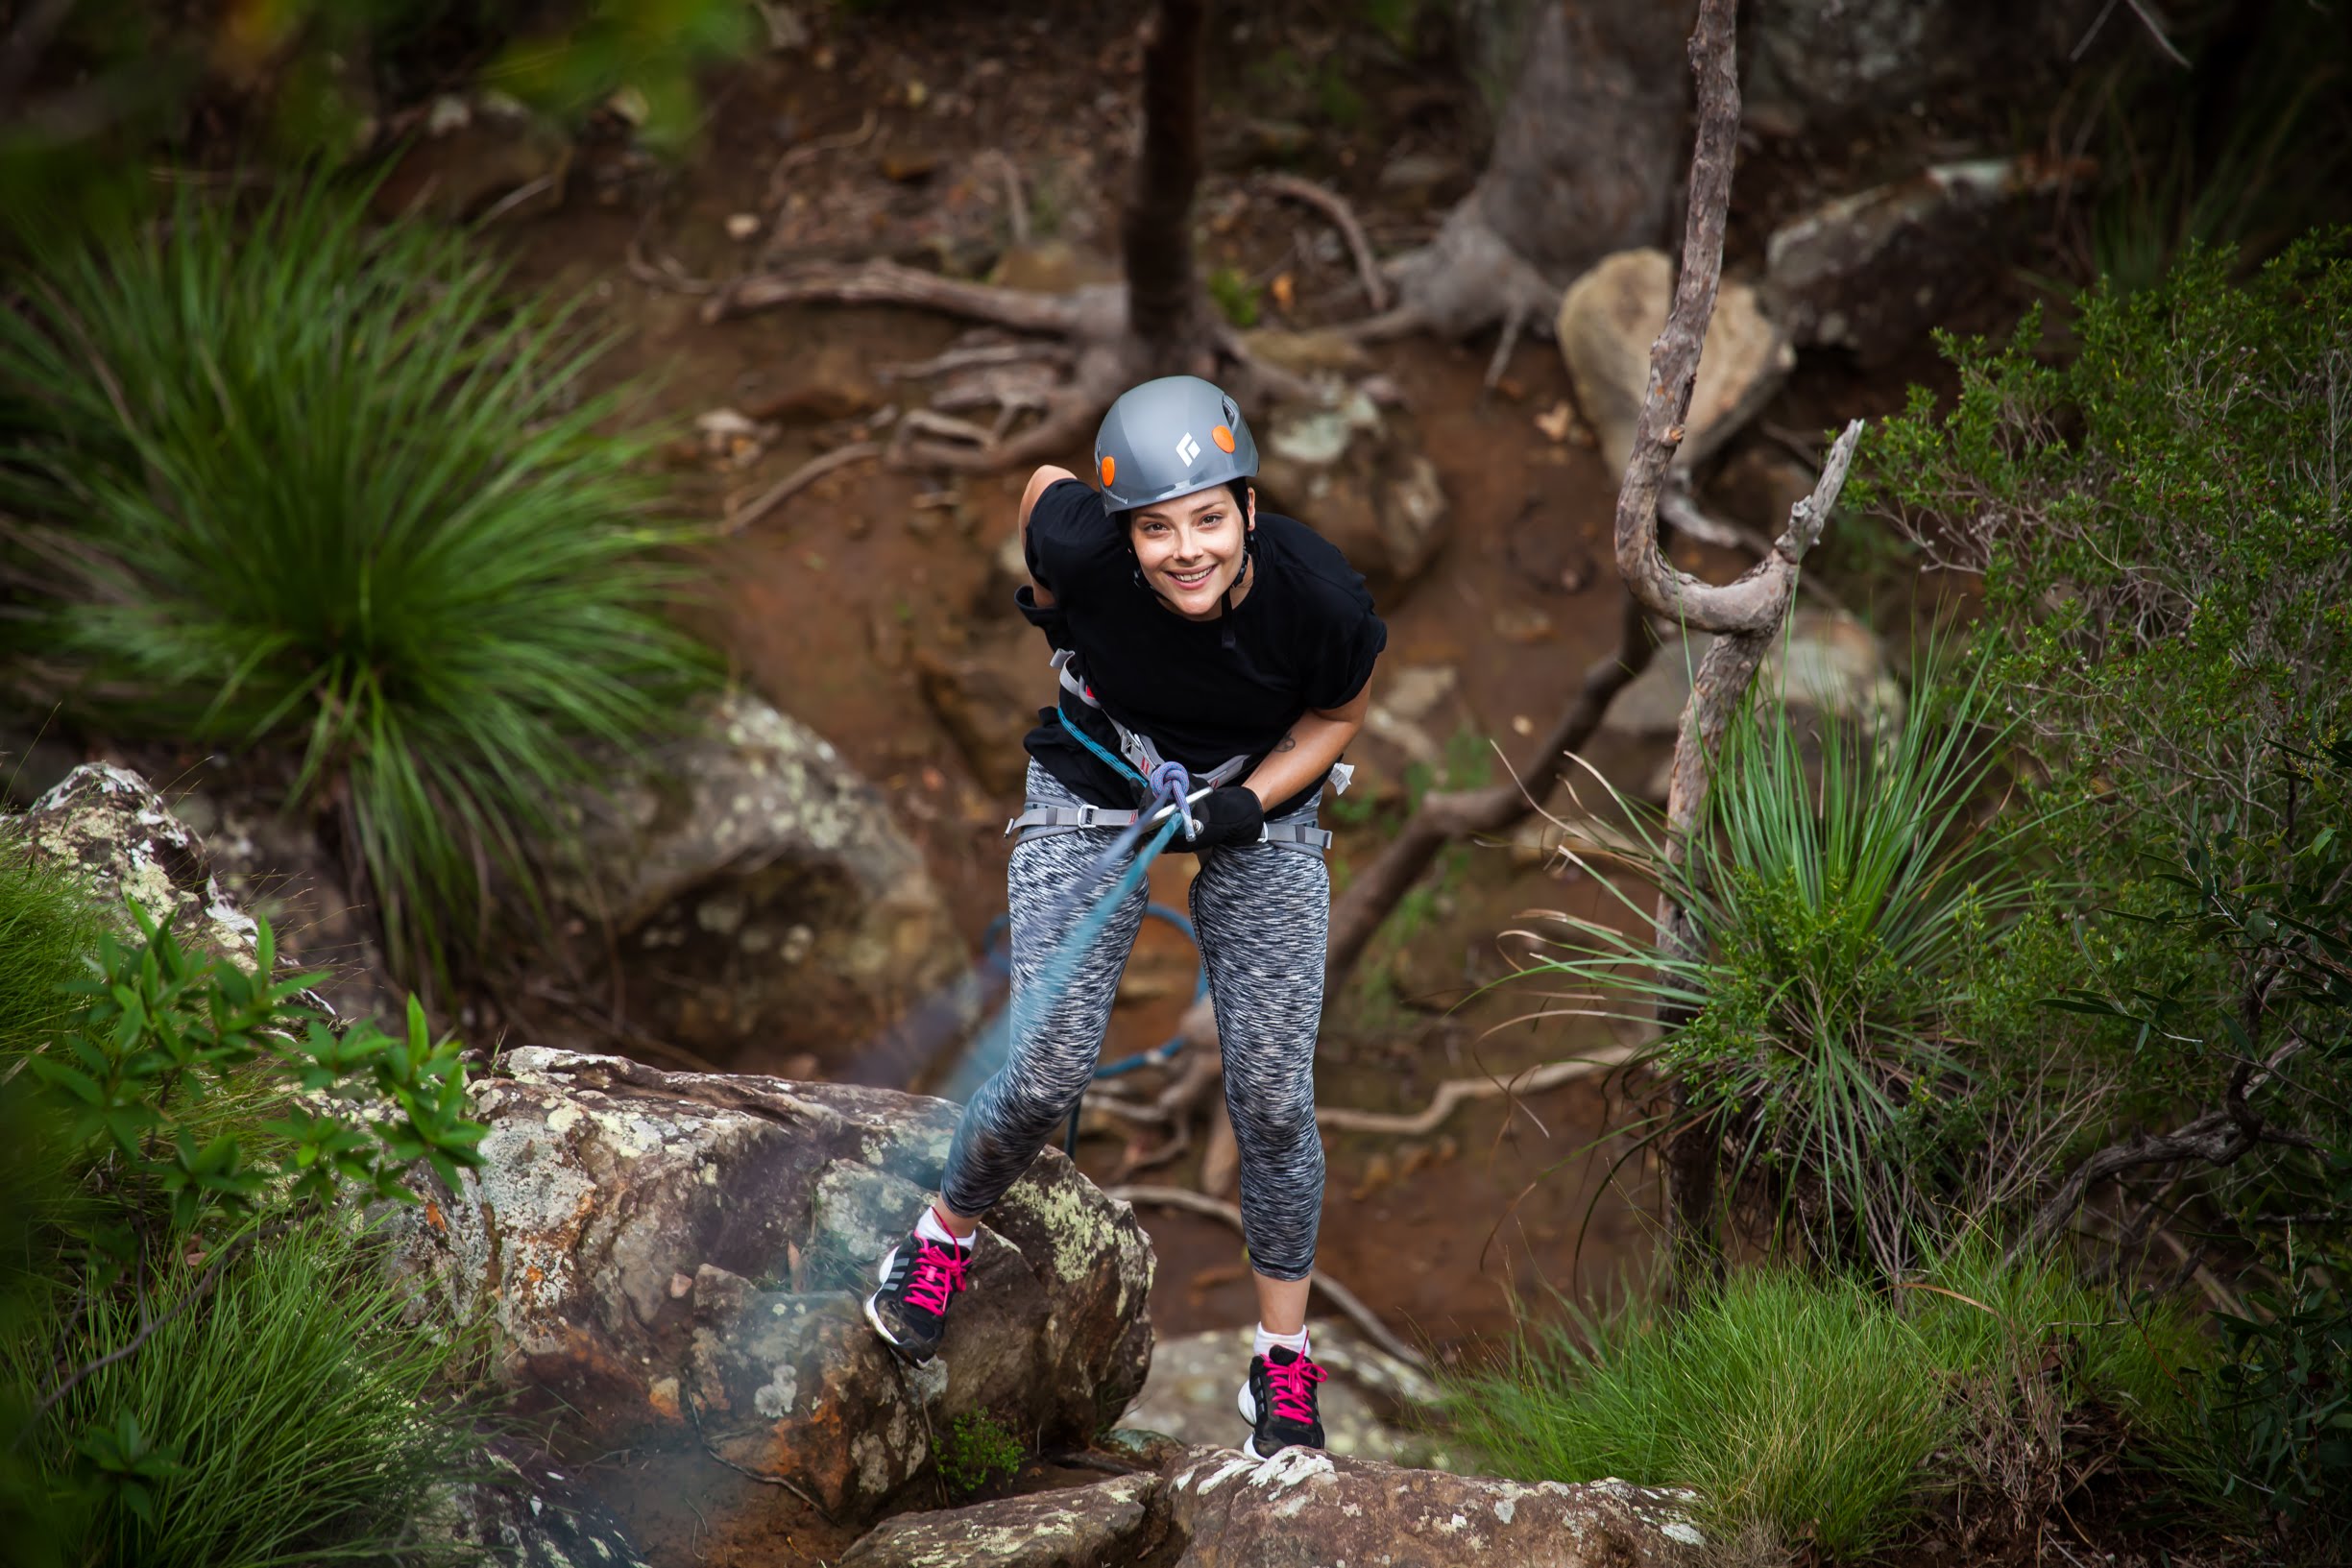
(1266, 1342)
(931, 1228)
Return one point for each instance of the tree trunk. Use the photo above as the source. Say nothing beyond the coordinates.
(1583, 164)
(1166, 308)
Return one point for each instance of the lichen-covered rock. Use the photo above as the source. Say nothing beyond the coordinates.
(680, 1259)
(112, 828)
(1078, 1527)
(1305, 1509)
(1610, 317)
(762, 901)
(1220, 1509)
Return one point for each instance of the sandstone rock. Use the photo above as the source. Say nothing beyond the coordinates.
(1874, 271)
(1189, 1395)
(1211, 1508)
(761, 900)
(1824, 661)
(1358, 480)
(1610, 317)
(1078, 1527)
(116, 833)
(670, 1259)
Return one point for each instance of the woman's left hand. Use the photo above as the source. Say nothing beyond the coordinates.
(1232, 814)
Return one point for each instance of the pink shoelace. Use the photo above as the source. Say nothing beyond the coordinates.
(1287, 1387)
(938, 1274)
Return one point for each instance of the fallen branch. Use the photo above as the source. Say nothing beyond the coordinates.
(1333, 205)
(1455, 1092)
(1344, 1299)
(798, 480)
(889, 283)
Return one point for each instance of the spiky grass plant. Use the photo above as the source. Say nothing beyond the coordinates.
(1847, 918)
(299, 479)
(289, 1416)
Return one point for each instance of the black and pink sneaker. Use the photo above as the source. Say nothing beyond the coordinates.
(919, 1278)
(1278, 1402)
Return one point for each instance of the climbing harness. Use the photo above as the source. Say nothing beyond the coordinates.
(1139, 760)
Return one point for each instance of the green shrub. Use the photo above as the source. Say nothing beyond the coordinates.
(1235, 297)
(303, 481)
(288, 1417)
(977, 1449)
(1857, 934)
(48, 932)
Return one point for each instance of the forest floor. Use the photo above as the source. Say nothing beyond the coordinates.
(830, 606)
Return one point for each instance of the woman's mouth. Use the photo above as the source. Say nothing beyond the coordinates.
(1186, 582)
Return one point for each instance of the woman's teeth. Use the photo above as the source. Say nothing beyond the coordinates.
(1191, 579)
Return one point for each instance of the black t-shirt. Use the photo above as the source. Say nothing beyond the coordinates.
(1304, 637)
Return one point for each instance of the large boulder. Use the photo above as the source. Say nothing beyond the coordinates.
(1821, 66)
(114, 830)
(1610, 317)
(1873, 272)
(679, 1260)
(761, 903)
(1212, 1508)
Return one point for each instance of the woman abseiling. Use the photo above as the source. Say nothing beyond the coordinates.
(1186, 626)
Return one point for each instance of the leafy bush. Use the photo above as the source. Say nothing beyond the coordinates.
(287, 1417)
(1857, 934)
(197, 1359)
(977, 1449)
(47, 932)
(303, 481)
(1817, 1409)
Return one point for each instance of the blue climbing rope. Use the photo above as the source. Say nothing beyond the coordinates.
(1169, 785)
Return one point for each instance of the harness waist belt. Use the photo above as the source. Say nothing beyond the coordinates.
(1045, 821)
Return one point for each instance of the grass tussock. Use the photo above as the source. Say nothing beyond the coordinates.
(297, 480)
(289, 1417)
(48, 931)
(1813, 1410)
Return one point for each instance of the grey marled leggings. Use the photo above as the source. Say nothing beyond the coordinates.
(1262, 912)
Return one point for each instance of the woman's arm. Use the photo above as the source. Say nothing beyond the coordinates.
(1306, 754)
(1044, 479)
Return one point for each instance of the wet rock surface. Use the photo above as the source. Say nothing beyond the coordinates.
(525, 1512)
(1610, 317)
(761, 900)
(1298, 1509)
(678, 1261)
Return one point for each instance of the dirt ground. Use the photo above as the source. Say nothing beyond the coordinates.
(830, 605)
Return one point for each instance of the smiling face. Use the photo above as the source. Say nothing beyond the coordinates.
(1191, 548)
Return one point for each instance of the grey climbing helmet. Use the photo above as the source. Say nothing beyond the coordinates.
(1171, 437)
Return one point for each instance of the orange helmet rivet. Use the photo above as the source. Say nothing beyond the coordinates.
(1223, 437)
(1110, 466)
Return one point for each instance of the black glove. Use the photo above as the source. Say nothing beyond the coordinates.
(1231, 814)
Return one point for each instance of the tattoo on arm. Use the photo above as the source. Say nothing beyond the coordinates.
(1289, 742)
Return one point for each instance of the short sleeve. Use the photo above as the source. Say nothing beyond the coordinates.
(1070, 537)
(1350, 642)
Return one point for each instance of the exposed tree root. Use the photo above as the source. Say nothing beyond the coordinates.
(1342, 1298)
(1455, 1092)
(1333, 205)
(792, 484)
